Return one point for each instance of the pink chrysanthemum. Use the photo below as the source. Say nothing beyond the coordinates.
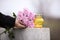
(27, 17)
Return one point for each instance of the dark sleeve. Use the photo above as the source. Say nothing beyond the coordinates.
(6, 21)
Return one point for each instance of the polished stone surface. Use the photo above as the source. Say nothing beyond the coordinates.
(30, 34)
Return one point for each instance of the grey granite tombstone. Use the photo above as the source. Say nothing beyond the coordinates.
(30, 34)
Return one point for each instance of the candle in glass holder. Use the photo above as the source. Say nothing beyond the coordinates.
(38, 21)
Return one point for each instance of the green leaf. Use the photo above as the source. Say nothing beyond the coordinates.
(14, 15)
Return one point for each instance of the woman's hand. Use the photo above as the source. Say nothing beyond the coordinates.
(19, 24)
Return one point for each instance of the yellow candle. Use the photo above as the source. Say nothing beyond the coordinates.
(38, 21)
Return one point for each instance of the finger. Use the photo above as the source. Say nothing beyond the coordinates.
(21, 22)
(20, 25)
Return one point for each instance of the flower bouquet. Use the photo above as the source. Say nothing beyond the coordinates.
(27, 17)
